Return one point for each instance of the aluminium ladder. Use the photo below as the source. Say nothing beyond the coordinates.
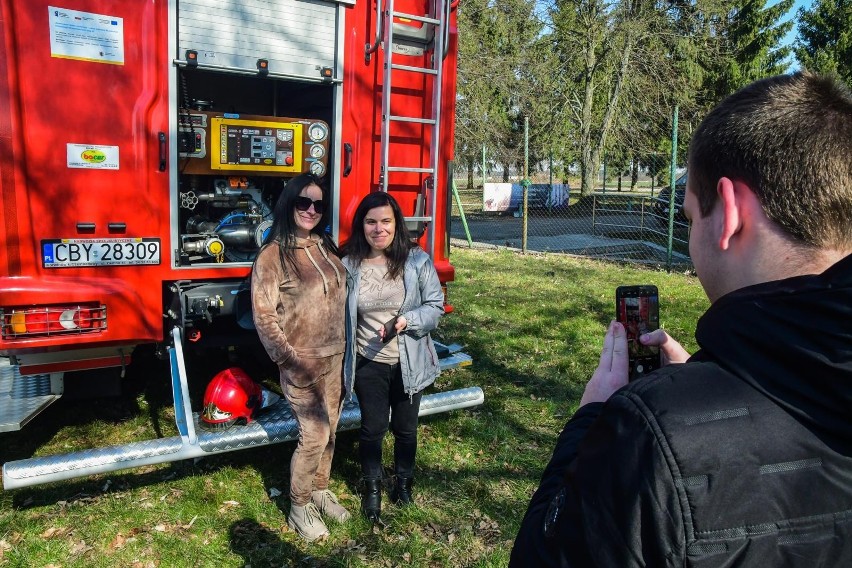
(403, 40)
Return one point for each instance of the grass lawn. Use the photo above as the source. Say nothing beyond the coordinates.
(534, 325)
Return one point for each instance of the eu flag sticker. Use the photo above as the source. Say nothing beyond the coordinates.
(47, 252)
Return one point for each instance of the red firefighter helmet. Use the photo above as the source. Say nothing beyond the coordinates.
(233, 396)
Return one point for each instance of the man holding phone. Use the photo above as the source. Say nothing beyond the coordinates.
(741, 453)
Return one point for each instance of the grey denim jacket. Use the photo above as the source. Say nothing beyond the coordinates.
(422, 307)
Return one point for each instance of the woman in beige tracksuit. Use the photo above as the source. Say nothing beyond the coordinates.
(298, 296)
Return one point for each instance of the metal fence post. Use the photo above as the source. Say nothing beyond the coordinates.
(525, 183)
(672, 192)
(461, 214)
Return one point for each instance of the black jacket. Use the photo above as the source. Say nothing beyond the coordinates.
(740, 457)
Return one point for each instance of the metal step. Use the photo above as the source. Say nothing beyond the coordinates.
(22, 398)
(406, 169)
(415, 18)
(413, 69)
(413, 119)
(275, 424)
(451, 357)
(456, 360)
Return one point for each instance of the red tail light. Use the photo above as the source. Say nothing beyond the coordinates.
(52, 320)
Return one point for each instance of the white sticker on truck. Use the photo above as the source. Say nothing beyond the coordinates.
(92, 157)
(86, 36)
(72, 253)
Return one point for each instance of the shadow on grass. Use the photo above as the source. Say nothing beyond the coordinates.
(261, 546)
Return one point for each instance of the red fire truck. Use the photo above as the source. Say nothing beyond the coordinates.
(142, 147)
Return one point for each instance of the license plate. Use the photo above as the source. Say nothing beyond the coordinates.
(67, 253)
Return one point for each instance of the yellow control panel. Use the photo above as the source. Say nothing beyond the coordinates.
(210, 143)
(253, 145)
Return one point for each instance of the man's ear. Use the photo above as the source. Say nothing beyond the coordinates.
(730, 200)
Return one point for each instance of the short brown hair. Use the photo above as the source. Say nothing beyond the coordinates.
(789, 137)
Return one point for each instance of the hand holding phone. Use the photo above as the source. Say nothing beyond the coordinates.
(612, 372)
(637, 308)
(389, 330)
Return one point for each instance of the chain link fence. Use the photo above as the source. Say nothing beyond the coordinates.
(626, 217)
(629, 226)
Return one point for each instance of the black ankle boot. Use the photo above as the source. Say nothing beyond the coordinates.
(401, 493)
(371, 500)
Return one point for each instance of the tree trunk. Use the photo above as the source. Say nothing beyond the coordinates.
(612, 103)
(634, 173)
(588, 162)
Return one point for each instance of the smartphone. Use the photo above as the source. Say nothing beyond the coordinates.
(390, 330)
(637, 308)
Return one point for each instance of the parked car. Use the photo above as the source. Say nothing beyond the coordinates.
(662, 200)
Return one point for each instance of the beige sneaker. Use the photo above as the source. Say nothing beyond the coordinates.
(307, 522)
(327, 503)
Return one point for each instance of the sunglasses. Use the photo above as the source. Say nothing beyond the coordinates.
(304, 203)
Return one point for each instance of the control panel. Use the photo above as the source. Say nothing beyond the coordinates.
(253, 145)
(250, 145)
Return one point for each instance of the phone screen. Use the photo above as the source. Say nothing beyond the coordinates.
(638, 310)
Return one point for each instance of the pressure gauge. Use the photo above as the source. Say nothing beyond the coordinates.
(317, 151)
(317, 168)
(317, 132)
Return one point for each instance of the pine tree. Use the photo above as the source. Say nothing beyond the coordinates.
(751, 43)
(825, 38)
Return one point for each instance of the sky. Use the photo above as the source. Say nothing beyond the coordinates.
(791, 35)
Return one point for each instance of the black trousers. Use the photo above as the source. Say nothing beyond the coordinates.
(380, 390)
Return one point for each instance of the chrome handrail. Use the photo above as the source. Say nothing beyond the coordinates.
(371, 48)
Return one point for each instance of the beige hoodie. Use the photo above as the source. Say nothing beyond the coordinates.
(299, 315)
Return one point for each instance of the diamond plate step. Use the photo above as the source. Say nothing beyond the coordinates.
(22, 398)
(450, 356)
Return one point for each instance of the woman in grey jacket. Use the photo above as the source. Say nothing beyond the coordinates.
(394, 301)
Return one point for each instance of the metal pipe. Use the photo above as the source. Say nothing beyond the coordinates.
(672, 167)
(370, 48)
(461, 214)
(526, 184)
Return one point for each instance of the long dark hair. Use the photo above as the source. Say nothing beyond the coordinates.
(283, 227)
(357, 246)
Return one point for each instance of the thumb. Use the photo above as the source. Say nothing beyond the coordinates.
(657, 337)
(671, 350)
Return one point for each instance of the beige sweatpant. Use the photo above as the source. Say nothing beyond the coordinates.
(315, 394)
